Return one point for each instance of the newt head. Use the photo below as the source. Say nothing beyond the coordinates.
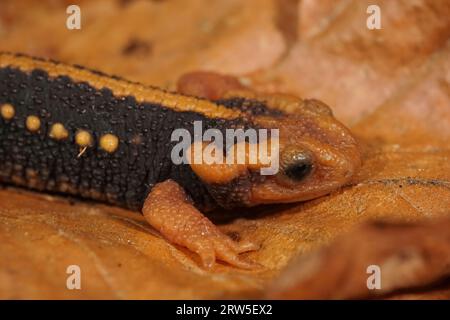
(316, 155)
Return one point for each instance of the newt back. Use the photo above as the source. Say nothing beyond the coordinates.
(73, 99)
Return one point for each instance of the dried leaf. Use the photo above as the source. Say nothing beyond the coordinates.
(407, 255)
(390, 85)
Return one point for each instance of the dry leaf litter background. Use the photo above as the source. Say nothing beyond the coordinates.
(390, 86)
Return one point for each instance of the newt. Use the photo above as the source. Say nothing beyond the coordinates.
(70, 130)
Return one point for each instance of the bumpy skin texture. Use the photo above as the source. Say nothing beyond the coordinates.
(170, 210)
(124, 177)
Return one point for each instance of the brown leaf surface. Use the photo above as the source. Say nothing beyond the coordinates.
(391, 86)
(408, 255)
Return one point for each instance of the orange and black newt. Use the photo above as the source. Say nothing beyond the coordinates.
(70, 130)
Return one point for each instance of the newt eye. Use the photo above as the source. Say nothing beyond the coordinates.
(296, 165)
(298, 170)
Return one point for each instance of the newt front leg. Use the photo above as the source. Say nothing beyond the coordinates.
(169, 210)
